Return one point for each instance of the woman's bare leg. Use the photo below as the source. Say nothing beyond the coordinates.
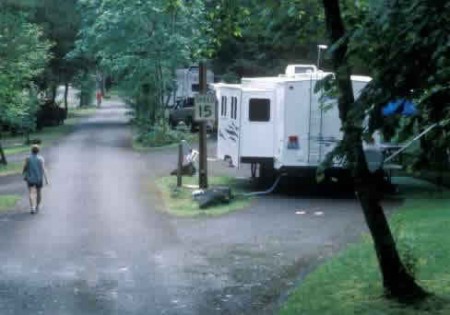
(38, 198)
(32, 194)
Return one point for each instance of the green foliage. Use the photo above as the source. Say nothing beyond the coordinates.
(160, 135)
(60, 22)
(404, 44)
(84, 81)
(141, 43)
(260, 38)
(23, 56)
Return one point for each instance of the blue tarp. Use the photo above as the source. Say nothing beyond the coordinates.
(400, 106)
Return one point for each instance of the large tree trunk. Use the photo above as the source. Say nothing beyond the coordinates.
(66, 94)
(398, 283)
(2, 156)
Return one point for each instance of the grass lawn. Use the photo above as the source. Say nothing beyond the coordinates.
(179, 202)
(14, 145)
(11, 169)
(350, 282)
(139, 147)
(8, 201)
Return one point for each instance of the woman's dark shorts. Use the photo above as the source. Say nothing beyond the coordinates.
(37, 185)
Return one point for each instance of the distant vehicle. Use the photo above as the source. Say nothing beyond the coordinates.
(181, 103)
(187, 84)
(183, 111)
(279, 123)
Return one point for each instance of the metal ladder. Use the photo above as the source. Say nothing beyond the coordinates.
(315, 131)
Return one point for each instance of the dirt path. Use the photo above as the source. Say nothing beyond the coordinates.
(100, 245)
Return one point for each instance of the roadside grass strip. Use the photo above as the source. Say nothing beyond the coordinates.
(139, 147)
(82, 112)
(179, 201)
(350, 282)
(15, 145)
(11, 169)
(159, 141)
(7, 202)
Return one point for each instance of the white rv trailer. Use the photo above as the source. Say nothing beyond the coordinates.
(187, 82)
(278, 122)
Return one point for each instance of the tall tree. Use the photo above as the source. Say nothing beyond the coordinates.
(141, 43)
(397, 281)
(60, 21)
(262, 37)
(410, 62)
(23, 56)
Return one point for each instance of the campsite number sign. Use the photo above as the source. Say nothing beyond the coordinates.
(205, 107)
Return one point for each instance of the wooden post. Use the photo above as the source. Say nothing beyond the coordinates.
(180, 165)
(203, 162)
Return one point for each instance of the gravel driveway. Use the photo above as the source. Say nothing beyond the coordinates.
(100, 245)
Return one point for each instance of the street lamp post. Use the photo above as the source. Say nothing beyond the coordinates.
(319, 48)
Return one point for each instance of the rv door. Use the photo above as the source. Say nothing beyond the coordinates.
(258, 116)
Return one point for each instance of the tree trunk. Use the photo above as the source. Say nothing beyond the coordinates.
(66, 94)
(54, 91)
(103, 84)
(397, 282)
(2, 153)
(2, 156)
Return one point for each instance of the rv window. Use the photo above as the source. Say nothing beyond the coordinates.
(189, 102)
(259, 109)
(303, 70)
(223, 109)
(234, 107)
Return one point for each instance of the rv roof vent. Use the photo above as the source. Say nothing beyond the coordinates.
(292, 70)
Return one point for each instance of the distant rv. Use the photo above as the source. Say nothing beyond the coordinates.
(279, 123)
(187, 84)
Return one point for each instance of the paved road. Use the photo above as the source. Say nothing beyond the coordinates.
(100, 245)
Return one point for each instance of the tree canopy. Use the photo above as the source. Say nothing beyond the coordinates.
(24, 54)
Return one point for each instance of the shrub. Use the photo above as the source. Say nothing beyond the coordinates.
(161, 135)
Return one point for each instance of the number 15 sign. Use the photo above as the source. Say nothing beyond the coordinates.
(205, 107)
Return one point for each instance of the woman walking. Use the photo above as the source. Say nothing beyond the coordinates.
(34, 174)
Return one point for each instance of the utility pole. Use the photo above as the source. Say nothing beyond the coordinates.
(203, 162)
(319, 48)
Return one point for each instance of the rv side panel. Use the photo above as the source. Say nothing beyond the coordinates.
(229, 129)
(293, 143)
